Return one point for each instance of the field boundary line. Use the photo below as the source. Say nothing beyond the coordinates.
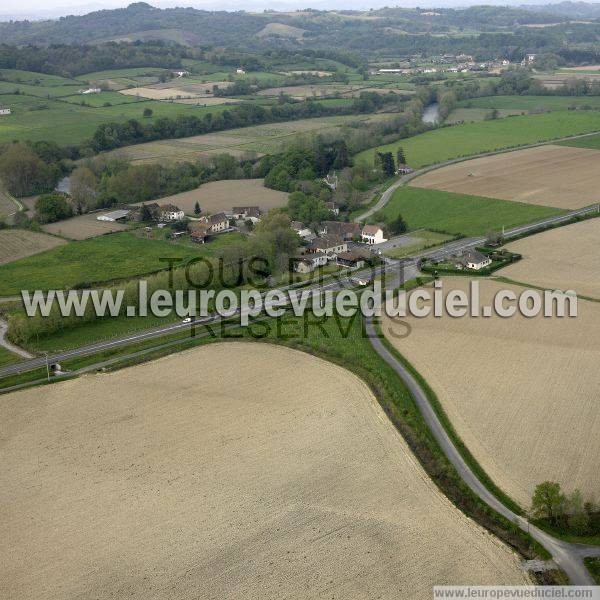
(387, 194)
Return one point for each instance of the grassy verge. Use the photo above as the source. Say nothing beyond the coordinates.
(593, 565)
(7, 357)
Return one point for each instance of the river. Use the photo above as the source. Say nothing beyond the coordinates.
(431, 114)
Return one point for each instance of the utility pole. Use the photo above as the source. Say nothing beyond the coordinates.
(47, 366)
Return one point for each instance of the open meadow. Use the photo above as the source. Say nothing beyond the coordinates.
(94, 261)
(459, 214)
(223, 195)
(66, 122)
(225, 478)
(459, 141)
(521, 393)
(19, 243)
(548, 175)
(562, 258)
(83, 227)
(532, 102)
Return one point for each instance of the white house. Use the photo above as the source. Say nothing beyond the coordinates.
(240, 71)
(170, 212)
(4, 110)
(216, 223)
(403, 169)
(372, 234)
(251, 213)
(475, 260)
(309, 262)
(91, 91)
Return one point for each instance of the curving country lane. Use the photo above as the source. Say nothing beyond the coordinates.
(569, 557)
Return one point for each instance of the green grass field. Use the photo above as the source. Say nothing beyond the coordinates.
(593, 565)
(7, 358)
(458, 214)
(459, 141)
(531, 102)
(66, 123)
(119, 255)
(591, 141)
(421, 240)
(33, 78)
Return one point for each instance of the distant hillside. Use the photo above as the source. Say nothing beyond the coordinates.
(347, 29)
(572, 10)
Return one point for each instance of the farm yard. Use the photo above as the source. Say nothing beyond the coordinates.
(458, 214)
(548, 175)
(521, 393)
(563, 258)
(20, 243)
(83, 227)
(115, 256)
(356, 515)
(217, 196)
(465, 140)
(255, 140)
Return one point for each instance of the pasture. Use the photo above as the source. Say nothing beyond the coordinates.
(323, 494)
(563, 258)
(83, 227)
(589, 141)
(94, 261)
(548, 175)
(521, 393)
(67, 122)
(474, 115)
(19, 243)
(531, 102)
(459, 141)
(457, 214)
(217, 196)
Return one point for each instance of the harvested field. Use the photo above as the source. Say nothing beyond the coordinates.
(223, 195)
(83, 227)
(269, 485)
(17, 243)
(548, 175)
(522, 393)
(563, 258)
(157, 94)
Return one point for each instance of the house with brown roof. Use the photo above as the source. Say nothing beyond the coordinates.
(350, 260)
(253, 213)
(373, 234)
(329, 244)
(216, 223)
(198, 232)
(347, 231)
(309, 262)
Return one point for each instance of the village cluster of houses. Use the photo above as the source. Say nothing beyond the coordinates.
(332, 244)
(449, 63)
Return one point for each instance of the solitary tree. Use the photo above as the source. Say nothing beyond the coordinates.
(148, 112)
(397, 226)
(197, 209)
(548, 501)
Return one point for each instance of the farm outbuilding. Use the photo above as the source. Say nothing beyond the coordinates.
(115, 215)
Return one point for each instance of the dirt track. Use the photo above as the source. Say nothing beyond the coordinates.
(230, 471)
(548, 175)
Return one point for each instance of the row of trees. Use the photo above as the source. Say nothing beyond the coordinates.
(115, 135)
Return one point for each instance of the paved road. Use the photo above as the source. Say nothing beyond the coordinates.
(390, 265)
(568, 556)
